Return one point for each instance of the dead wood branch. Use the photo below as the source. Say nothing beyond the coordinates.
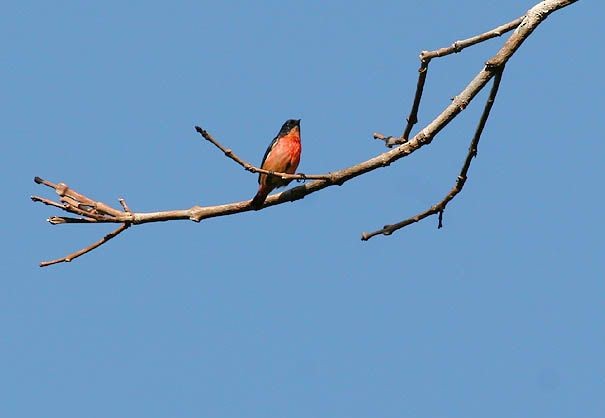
(439, 207)
(425, 58)
(91, 211)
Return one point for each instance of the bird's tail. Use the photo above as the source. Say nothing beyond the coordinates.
(259, 199)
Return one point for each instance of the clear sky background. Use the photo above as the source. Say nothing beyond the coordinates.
(285, 312)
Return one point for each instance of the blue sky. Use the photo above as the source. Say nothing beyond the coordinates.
(285, 312)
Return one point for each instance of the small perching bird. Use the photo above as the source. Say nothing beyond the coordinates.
(282, 156)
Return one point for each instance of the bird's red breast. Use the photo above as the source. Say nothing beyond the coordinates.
(284, 156)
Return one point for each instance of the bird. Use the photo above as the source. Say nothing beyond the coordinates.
(282, 156)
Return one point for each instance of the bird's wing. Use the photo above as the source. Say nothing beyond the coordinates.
(269, 148)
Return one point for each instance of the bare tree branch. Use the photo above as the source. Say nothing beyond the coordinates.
(88, 249)
(92, 211)
(76, 203)
(439, 207)
(425, 58)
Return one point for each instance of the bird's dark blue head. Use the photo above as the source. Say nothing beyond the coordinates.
(288, 126)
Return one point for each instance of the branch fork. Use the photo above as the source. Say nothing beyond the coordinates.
(91, 211)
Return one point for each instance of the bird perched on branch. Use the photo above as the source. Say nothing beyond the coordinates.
(282, 156)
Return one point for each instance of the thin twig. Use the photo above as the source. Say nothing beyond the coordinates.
(124, 205)
(253, 169)
(425, 58)
(57, 220)
(465, 43)
(47, 202)
(83, 251)
(412, 118)
(439, 208)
